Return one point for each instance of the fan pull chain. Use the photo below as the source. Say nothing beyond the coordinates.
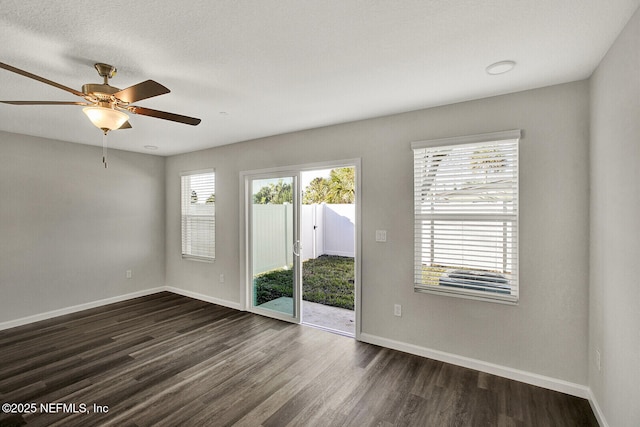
(104, 149)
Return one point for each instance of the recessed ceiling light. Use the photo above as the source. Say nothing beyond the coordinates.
(150, 147)
(500, 67)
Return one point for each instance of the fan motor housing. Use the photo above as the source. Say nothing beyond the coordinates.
(99, 91)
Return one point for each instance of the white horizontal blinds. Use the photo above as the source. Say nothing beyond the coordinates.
(466, 217)
(198, 215)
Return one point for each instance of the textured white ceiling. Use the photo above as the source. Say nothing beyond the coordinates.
(276, 66)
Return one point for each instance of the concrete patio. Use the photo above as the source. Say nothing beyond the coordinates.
(335, 319)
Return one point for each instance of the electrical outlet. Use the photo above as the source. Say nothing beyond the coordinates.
(381, 236)
(221, 278)
(598, 360)
(129, 275)
(397, 310)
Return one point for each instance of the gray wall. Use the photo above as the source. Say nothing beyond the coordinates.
(614, 315)
(547, 333)
(69, 229)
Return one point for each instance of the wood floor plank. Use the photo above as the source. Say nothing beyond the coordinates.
(169, 360)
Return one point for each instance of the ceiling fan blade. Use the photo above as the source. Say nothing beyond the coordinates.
(164, 115)
(126, 125)
(40, 79)
(43, 103)
(141, 91)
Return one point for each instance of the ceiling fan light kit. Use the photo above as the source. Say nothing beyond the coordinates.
(105, 119)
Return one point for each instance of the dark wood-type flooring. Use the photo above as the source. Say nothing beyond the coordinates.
(175, 361)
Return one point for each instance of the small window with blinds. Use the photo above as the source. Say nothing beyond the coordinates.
(466, 216)
(199, 215)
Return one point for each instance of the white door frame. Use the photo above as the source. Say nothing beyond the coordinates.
(245, 266)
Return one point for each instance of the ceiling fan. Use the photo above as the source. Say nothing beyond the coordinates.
(105, 104)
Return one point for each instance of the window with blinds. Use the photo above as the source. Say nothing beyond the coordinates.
(466, 216)
(199, 215)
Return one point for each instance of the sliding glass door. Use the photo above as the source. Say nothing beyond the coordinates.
(274, 248)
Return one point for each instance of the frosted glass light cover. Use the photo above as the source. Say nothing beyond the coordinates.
(105, 118)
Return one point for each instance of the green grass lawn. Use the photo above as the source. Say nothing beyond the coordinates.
(327, 280)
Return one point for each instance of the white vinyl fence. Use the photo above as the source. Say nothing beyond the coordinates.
(325, 230)
(272, 246)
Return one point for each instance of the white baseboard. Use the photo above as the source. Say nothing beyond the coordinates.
(76, 308)
(479, 365)
(596, 410)
(205, 298)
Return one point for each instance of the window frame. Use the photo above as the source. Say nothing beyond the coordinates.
(483, 292)
(184, 228)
